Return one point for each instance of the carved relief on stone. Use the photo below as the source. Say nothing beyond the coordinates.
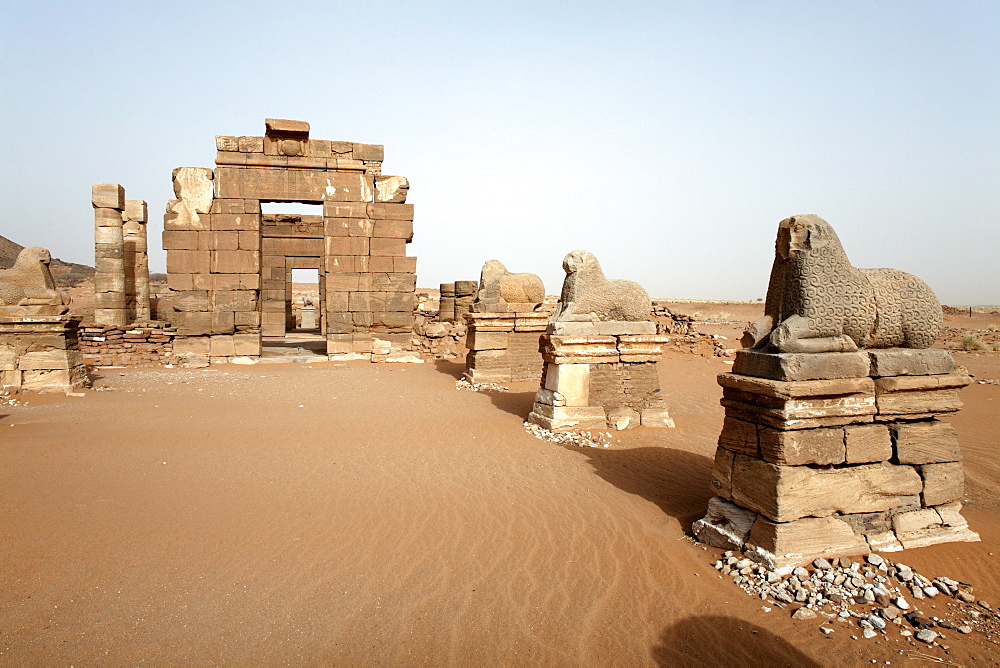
(588, 296)
(818, 302)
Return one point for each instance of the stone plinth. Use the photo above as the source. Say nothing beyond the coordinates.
(40, 352)
(810, 466)
(504, 347)
(595, 381)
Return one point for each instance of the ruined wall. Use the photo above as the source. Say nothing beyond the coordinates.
(229, 271)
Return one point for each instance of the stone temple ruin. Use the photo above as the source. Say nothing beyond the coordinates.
(833, 443)
(505, 323)
(229, 267)
(600, 350)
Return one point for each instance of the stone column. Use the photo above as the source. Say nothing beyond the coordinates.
(465, 294)
(136, 260)
(110, 306)
(446, 310)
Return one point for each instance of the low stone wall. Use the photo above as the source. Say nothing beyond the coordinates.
(107, 345)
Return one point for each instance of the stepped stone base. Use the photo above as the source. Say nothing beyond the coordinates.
(504, 347)
(811, 466)
(39, 352)
(594, 382)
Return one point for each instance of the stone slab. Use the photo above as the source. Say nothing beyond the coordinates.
(587, 418)
(787, 493)
(943, 483)
(609, 328)
(801, 366)
(867, 443)
(725, 525)
(785, 545)
(821, 446)
(926, 442)
(910, 362)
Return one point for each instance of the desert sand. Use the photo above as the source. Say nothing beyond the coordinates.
(361, 514)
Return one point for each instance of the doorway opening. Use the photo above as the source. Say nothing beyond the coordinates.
(305, 302)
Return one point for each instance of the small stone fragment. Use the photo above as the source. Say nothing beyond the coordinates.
(822, 564)
(875, 559)
(869, 633)
(926, 635)
(876, 622)
(902, 604)
(825, 629)
(803, 613)
(965, 597)
(965, 629)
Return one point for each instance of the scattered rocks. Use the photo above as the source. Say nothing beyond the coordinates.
(588, 440)
(463, 384)
(871, 594)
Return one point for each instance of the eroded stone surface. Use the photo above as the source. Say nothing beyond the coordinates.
(818, 302)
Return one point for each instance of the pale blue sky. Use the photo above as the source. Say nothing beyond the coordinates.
(669, 138)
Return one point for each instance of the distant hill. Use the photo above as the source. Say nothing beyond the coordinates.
(65, 273)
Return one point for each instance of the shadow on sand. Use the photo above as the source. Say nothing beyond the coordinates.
(675, 480)
(724, 641)
(453, 368)
(515, 403)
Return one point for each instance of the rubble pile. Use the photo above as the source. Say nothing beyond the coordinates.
(875, 597)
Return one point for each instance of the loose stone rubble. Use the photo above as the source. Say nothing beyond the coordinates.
(600, 351)
(841, 452)
(464, 384)
(583, 439)
(875, 595)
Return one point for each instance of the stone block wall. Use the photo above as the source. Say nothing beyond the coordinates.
(837, 454)
(229, 268)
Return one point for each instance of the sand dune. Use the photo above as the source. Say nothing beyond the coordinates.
(374, 514)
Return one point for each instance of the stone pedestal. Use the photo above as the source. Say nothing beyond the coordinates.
(40, 352)
(309, 318)
(837, 454)
(599, 376)
(504, 347)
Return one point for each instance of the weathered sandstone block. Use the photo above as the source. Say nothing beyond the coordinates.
(786, 493)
